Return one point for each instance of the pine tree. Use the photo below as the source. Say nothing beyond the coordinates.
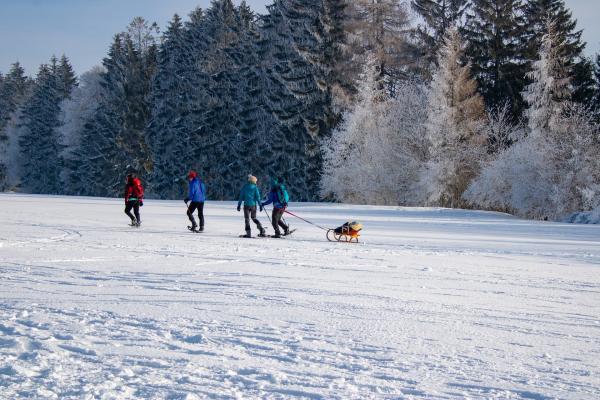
(455, 111)
(549, 91)
(537, 13)
(494, 32)
(381, 29)
(335, 58)
(103, 161)
(113, 141)
(77, 110)
(595, 104)
(167, 131)
(40, 147)
(13, 89)
(66, 76)
(289, 50)
(438, 16)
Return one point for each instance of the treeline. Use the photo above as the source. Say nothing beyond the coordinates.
(388, 102)
(507, 121)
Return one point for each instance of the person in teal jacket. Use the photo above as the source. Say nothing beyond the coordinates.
(250, 196)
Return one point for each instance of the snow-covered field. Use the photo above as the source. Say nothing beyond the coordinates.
(433, 304)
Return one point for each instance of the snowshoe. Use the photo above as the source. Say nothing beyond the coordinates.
(193, 229)
(289, 232)
(247, 236)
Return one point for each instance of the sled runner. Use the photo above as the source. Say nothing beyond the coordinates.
(349, 232)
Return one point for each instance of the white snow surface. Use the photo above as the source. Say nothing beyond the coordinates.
(433, 303)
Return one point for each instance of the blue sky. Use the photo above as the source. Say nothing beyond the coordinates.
(32, 30)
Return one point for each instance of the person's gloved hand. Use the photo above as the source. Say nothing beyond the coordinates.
(260, 207)
(239, 208)
(141, 203)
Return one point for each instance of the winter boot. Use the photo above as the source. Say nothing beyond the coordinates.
(133, 223)
(286, 231)
(262, 232)
(201, 229)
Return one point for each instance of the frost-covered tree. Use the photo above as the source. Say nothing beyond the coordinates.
(113, 140)
(39, 143)
(553, 171)
(536, 14)
(376, 154)
(381, 29)
(76, 111)
(595, 103)
(171, 103)
(494, 32)
(289, 51)
(550, 87)
(500, 129)
(455, 111)
(14, 89)
(143, 35)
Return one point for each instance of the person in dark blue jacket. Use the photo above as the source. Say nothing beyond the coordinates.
(279, 197)
(196, 197)
(250, 196)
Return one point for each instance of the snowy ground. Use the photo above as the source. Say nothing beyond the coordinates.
(434, 304)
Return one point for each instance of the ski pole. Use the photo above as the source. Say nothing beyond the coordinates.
(305, 220)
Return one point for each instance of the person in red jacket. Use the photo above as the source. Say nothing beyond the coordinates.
(134, 198)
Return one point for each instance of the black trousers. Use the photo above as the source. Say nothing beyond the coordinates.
(276, 220)
(135, 205)
(250, 213)
(196, 205)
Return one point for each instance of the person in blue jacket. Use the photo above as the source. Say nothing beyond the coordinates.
(196, 198)
(279, 197)
(250, 196)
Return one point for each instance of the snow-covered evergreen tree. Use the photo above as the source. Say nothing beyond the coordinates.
(595, 103)
(171, 103)
(113, 141)
(76, 111)
(455, 111)
(382, 29)
(289, 49)
(437, 17)
(494, 32)
(39, 144)
(536, 14)
(550, 87)
(13, 89)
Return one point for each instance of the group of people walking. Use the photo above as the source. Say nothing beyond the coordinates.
(249, 197)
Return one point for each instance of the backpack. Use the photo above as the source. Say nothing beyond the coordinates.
(137, 190)
(282, 195)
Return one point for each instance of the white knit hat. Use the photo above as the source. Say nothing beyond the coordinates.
(252, 178)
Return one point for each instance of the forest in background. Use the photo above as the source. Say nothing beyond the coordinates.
(457, 103)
